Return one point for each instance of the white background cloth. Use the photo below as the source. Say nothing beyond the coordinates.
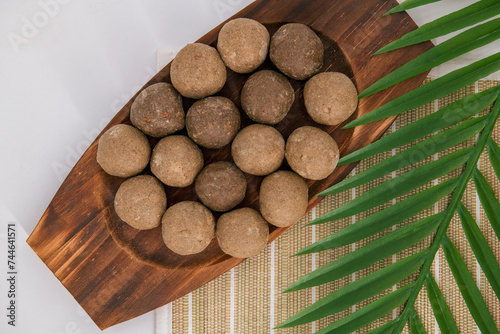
(66, 67)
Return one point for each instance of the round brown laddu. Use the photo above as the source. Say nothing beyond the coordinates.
(267, 97)
(176, 161)
(187, 227)
(243, 44)
(221, 186)
(283, 198)
(141, 202)
(123, 151)
(296, 51)
(312, 153)
(330, 98)
(198, 71)
(157, 110)
(258, 149)
(213, 122)
(242, 233)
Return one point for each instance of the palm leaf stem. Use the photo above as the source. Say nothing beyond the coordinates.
(494, 155)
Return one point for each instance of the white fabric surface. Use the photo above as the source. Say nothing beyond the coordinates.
(67, 66)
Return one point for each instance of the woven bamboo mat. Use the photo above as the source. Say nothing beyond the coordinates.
(248, 298)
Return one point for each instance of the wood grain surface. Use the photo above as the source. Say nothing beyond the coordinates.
(116, 272)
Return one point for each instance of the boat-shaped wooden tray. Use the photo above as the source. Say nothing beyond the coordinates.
(116, 272)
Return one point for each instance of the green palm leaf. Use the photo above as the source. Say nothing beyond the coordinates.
(494, 154)
(481, 249)
(445, 85)
(380, 249)
(399, 185)
(377, 222)
(357, 291)
(468, 288)
(416, 326)
(387, 328)
(456, 46)
(448, 127)
(475, 13)
(420, 151)
(441, 119)
(369, 313)
(409, 4)
(441, 310)
(490, 204)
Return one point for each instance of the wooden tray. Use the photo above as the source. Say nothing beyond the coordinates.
(116, 272)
